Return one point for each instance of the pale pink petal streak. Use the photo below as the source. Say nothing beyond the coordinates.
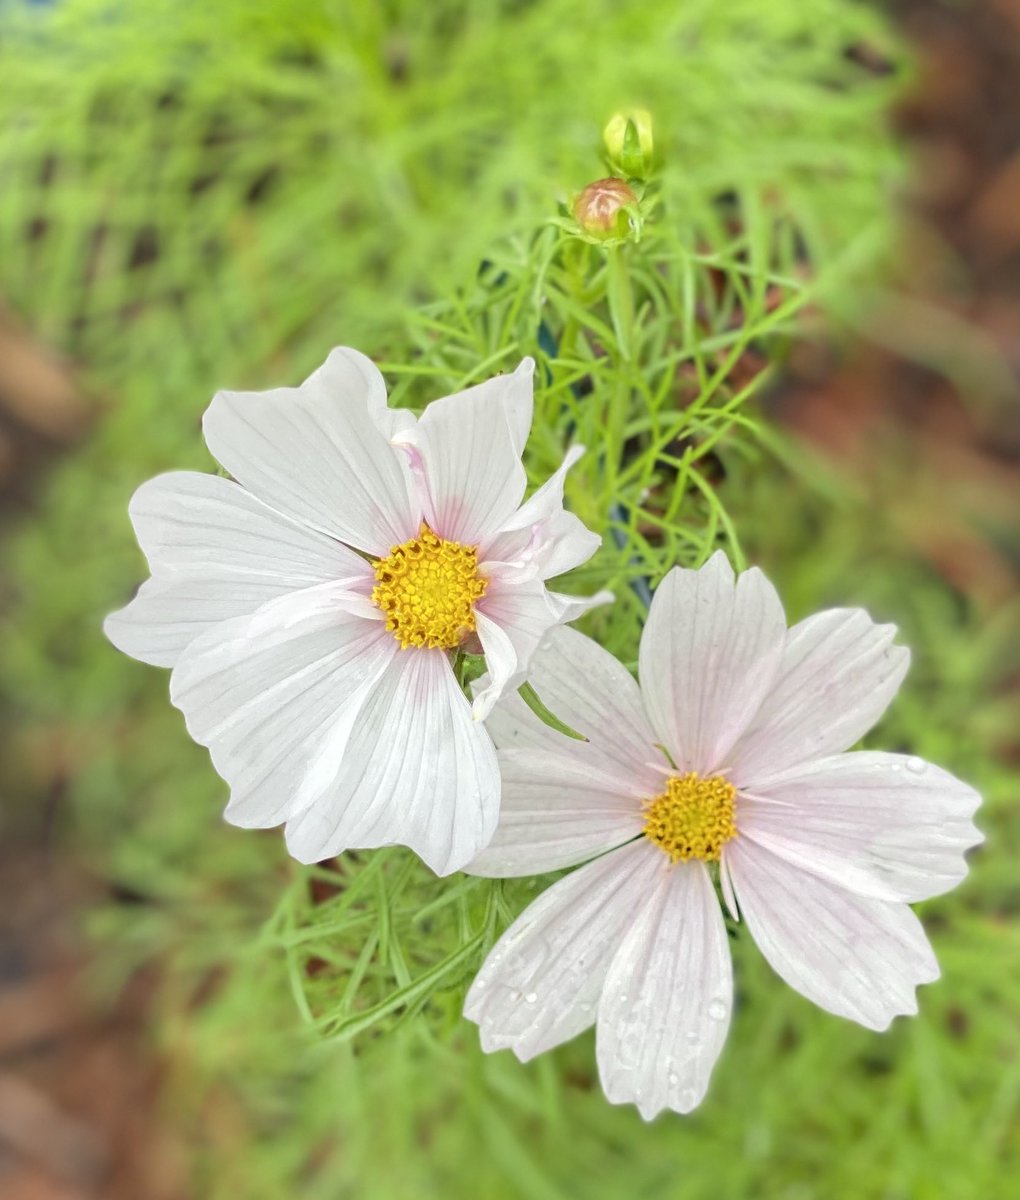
(591, 691)
(541, 982)
(884, 825)
(709, 654)
(856, 957)
(557, 810)
(839, 672)
(665, 1007)
(216, 553)
(467, 455)
(511, 622)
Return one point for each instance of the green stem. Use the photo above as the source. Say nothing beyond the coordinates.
(620, 295)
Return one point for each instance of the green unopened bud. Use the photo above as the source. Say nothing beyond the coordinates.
(606, 210)
(629, 141)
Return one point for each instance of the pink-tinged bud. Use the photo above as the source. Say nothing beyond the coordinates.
(603, 209)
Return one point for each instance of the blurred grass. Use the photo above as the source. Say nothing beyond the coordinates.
(204, 195)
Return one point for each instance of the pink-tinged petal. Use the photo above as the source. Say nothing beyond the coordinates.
(709, 655)
(591, 691)
(566, 543)
(572, 608)
(542, 551)
(665, 1007)
(275, 695)
(466, 451)
(541, 982)
(417, 771)
(542, 540)
(547, 500)
(839, 672)
(881, 825)
(853, 956)
(511, 621)
(216, 553)
(557, 810)
(318, 455)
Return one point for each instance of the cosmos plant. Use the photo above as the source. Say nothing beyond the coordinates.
(361, 629)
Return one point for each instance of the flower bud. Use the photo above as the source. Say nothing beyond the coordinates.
(604, 210)
(629, 142)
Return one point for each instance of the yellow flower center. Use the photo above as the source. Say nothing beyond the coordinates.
(427, 588)
(693, 817)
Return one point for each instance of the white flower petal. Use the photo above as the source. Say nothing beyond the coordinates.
(349, 372)
(855, 957)
(547, 500)
(468, 456)
(557, 810)
(170, 611)
(572, 608)
(542, 551)
(541, 982)
(511, 621)
(592, 692)
(417, 771)
(207, 525)
(709, 655)
(274, 696)
(665, 1008)
(839, 672)
(881, 825)
(216, 553)
(317, 454)
(566, 543)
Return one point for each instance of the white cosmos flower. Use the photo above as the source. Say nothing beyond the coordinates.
(821, 850)
(311, 609)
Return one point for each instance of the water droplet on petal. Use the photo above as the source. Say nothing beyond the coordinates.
(479, 983)
(531, 997)
(674, 1078)
(717, 1010)
(915, 764)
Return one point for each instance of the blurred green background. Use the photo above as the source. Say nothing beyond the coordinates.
(196, 195)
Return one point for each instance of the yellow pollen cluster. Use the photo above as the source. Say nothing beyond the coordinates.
(692, 818)
(427, 588)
